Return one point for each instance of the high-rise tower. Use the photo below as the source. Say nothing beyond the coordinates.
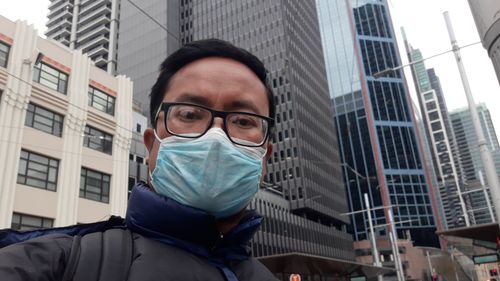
(89, 25)
(439, 137)
(470, 159)
(375, 122)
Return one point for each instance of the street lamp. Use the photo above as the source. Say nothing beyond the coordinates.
(489, 165)
(486, 158)
(375, 253)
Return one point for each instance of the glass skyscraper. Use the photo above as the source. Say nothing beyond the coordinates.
(375, 123)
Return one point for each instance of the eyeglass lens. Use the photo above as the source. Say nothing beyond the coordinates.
(189, 120)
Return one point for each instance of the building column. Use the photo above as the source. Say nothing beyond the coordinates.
(113, 38)
(74, 24)
(121, 147)
(13, 107)
(68, 186)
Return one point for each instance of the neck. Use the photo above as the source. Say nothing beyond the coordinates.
(225, 225)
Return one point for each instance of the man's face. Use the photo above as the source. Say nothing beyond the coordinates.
(218, 83)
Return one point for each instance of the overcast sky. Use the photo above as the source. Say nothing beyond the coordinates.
(425, 28)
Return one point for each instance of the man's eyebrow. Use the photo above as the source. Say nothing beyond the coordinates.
(239, 105)
(245, 105)
(193, 98)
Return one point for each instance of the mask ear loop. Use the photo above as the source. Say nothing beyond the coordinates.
(156, 135)
(150, 173)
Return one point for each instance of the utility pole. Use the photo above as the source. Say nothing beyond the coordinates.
(431, 269)
(489, 165)
(486, 197)
(393, 236)
(375, 254)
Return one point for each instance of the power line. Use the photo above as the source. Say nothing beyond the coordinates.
(62, 134)
(154, 20)
(28, 146)
(69, 103)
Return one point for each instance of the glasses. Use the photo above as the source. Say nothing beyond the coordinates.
(193, 121)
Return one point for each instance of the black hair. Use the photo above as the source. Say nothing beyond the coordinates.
(203, 49)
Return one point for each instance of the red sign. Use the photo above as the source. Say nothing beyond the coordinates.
(295, 277)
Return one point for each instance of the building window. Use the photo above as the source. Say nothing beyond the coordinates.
(50, 77)
(101, 101)
(98, 140)
(131, 183)
(139, 160)
(37, 170)
(431, 105)
(94, 185)
(4, 54)
(44, 120)
(26, 222)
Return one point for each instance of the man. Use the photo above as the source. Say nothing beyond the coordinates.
(211, 112)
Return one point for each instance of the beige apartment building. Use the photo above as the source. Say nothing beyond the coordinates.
(64, 133)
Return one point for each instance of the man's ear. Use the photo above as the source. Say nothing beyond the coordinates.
(149, 139)
(269, 150)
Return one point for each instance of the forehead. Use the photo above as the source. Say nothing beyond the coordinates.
(219, 83)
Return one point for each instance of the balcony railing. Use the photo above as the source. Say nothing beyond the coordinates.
(89, 36)
(65, 23)
(100, 40)
(55, 3)
(91, 25)
(63, 32)
(85, 9)
(94, 14)
(56, 10)
(63, 15)
(96, 51)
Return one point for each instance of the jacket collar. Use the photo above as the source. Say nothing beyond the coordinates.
(163, 219)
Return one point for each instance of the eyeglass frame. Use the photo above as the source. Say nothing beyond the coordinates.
(214, 113)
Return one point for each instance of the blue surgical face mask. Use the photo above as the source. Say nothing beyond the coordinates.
(209, 173)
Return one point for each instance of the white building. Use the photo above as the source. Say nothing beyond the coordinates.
(64, 133)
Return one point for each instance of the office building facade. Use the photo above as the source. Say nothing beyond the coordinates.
(487, 17)
(375, 122)
(470, 159)
(65, 133)
(144, 43)
(304, 167)
(87, 25)
(137, 168)
(440, 138)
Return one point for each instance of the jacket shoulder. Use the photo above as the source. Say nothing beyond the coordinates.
(252, 269)
(41, 258)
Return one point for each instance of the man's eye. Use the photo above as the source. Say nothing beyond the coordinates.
(189, 114)
(244, 122)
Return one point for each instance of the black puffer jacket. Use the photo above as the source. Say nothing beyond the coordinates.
(168, 241)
